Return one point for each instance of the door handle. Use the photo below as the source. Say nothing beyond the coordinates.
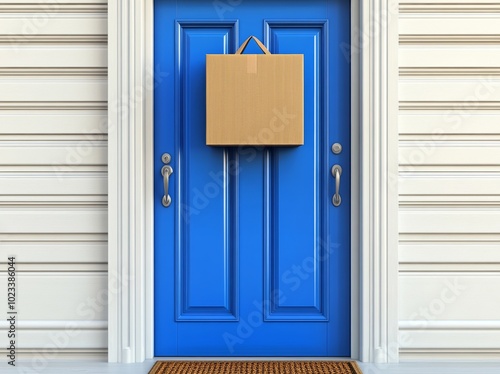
(336, 172)
(166, 171)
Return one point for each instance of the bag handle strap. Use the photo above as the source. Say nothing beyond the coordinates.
(259, 43)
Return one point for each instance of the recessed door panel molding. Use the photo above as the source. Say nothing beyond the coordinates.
(205, 194)
(296, 277)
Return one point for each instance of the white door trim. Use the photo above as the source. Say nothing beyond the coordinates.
(374, 164)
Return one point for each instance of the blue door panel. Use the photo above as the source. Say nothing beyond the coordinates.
(206, 190)
(251, 258)
(297, 186)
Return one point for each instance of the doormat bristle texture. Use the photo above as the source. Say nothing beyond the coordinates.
(255, 367)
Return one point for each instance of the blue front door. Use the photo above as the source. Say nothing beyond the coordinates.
(252, 258)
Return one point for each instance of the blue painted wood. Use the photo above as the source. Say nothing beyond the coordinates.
(206, 209)
(251, 258)
(292, 242)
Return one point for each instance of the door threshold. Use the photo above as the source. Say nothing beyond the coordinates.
(257, 358)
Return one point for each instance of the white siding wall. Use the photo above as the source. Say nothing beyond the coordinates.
(53, 176)
(449, 156)
(53, 187)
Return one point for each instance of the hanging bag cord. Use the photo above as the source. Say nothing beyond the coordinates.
(259, 43)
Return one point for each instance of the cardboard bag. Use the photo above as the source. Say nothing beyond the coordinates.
(255, 99)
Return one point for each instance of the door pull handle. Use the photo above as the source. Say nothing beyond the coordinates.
(166, 171)
(336, 173)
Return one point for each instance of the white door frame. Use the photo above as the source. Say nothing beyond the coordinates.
(373, 54)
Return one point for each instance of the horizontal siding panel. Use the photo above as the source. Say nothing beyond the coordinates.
(57, 325)
(53, 200)
(431, 253)
(424, 25)
(45, 184)
(449, 200)
(53, 24)
(451, 325)
(55, 252)
(52, 237)
(454, 184)
(63, 296)
(448, 123)
(54, 7)
(451, 339)
(449, 237)
(58, 2)
(460, 221)
(437, 2)
(445, 56)
(458, 355)
(435, 153)
(18, 56)
(57, 268)
(53, 220)
(444, 268)
(89, 354)
(449, 297)
(45, 341)
(447, 7)
(60, 123)
(66, 153)
(53, 90)
(470, 90)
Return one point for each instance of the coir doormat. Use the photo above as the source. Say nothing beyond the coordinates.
(255, 367)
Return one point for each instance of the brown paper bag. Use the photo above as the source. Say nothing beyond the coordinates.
(255, 99)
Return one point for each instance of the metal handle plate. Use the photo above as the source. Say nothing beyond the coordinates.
(336, 173)
(166, 171)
